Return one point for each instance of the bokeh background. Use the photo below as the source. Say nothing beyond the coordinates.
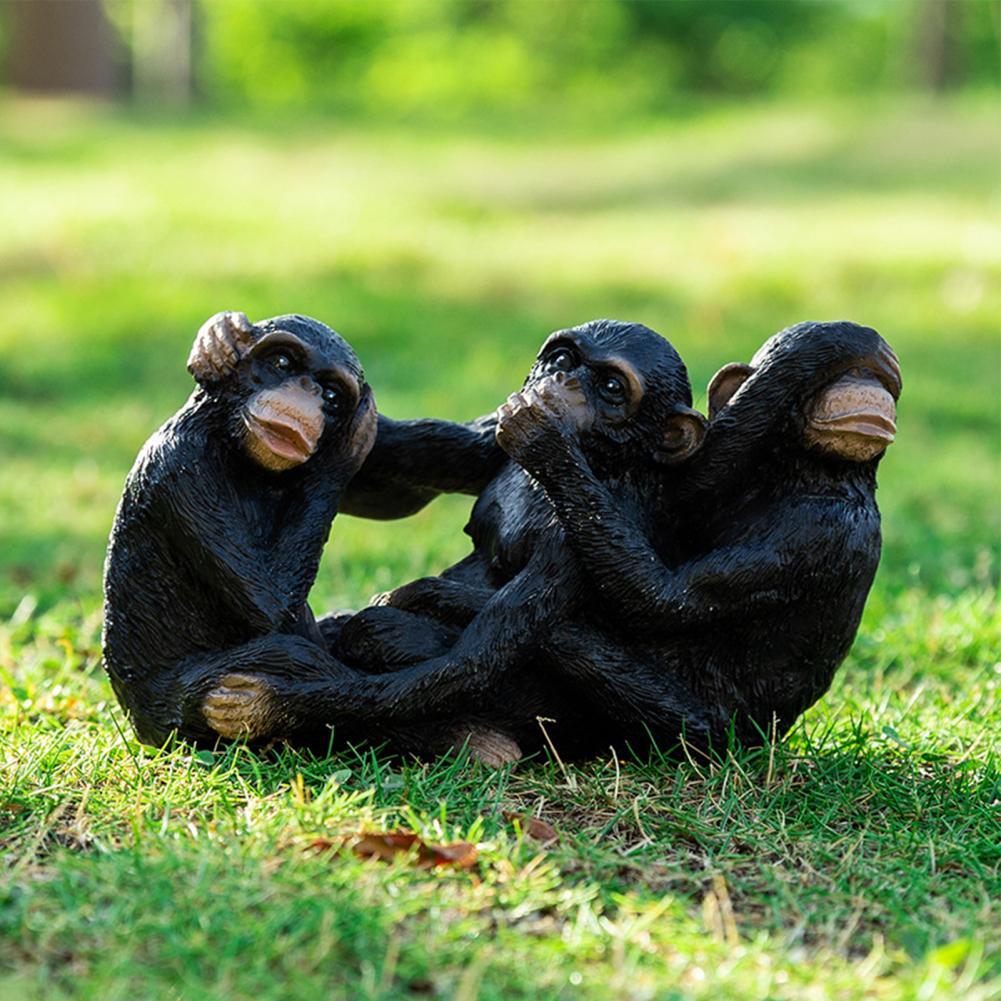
(445, 182)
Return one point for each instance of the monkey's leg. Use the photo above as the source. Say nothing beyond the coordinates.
(298, 693)
(378, 639)
(452, 603)
(330, 626)
(381, 638)
(637, 692)
(284, 687)
(454, 598)
(242, 691)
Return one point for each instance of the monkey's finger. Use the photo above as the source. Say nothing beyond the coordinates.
(238, 680)
(535, 399)
(226, 702)
(210, 355)
(243, 331)
(199, 364)
(553, 395)
(223, 355)
(238, 334)
(223, 347)
(239, 322)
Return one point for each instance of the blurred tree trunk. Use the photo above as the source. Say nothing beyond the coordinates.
(936, 35)
(161, 51)
(61, 45)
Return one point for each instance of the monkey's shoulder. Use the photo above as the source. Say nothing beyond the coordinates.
(182, 453)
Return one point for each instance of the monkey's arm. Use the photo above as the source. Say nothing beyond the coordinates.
(198, 513)
(449, 685)
(414, 461)
(639, 693)
(456, 597)
(641, 589)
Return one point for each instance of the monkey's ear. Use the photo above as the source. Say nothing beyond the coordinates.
(683, 435)
(724, 384)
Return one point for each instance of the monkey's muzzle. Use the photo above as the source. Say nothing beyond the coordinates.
(283, 426)
(854, 418)
(285, 440)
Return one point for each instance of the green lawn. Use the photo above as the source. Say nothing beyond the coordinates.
(859, 859)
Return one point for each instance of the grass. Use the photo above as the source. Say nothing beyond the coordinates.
(858, 859)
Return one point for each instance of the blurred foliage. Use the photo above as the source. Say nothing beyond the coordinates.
(451, 58)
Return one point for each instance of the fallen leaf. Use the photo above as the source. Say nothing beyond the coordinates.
(388, 845)
(535, 827)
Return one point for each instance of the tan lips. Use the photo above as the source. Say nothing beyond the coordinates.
(854, 418)
(282, 439)
(284, 426)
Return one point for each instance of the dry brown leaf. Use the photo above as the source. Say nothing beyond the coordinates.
(387, 845)
(535, 827)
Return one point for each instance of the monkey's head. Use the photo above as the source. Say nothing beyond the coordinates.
(850, 411)
(297, 387)
(626, 388)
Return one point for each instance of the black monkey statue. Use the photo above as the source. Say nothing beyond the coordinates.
(739, 603)
(220, 530)
(628, 394)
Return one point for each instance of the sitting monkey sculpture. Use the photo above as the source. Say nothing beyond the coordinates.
(220, 530)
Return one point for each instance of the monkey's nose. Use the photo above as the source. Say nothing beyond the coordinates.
(309, 385)
(559, 377)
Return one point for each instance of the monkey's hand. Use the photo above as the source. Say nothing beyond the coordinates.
(539, 426)
(447, 601)
(413, 596)
(219, 345)
(243, 705)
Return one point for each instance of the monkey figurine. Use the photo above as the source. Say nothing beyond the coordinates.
(698, 569)
(220, 530)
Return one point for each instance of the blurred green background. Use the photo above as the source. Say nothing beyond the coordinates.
(446, 182)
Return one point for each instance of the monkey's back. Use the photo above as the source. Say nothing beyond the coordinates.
(156, 611)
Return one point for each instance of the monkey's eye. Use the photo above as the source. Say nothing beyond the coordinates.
(282, 362)
(331, 394)
(612, 388)
(561, 360)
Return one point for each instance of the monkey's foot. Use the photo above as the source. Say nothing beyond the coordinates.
(491, 748)
(242, 705)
